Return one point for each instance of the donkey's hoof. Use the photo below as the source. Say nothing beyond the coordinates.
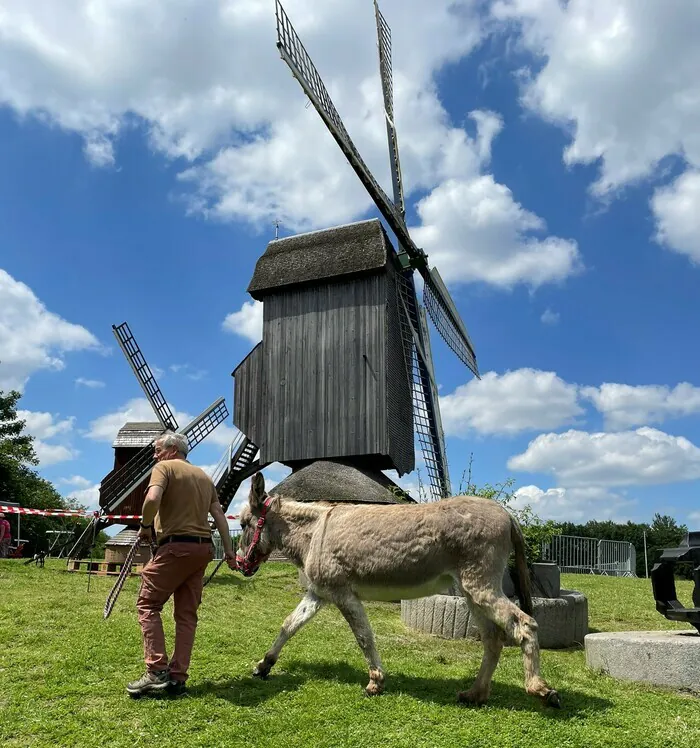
(373, 689)
(553, 699)
(261, 672)
(472, 696)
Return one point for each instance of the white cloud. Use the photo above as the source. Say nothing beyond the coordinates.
(92, 384)
(75, 480)
(549, 317)
(474, 230)
(31, 337)
(520, 400)
(50, 454)
(43, 426)
(203, 79)
(105, 427)
(573, 504)
(188, 371)
(579, 459)
(624, 405)
(620, 76)
(88, 497)
(247, 321)
(676, 208)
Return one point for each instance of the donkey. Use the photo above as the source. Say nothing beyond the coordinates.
(351, 553)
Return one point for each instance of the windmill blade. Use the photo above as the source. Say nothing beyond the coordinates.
(143, 373)
(426, 416)
(119, 485)
(385, 71)
(446, 318)
(295, 55)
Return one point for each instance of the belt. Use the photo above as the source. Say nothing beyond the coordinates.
(185, 539)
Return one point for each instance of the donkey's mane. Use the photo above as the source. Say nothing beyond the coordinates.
(301, 510)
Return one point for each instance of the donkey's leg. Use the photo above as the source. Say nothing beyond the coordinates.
(517, 625)
(354, 613)
(492, 638)
(303, 613)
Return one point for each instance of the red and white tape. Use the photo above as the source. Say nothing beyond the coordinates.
(77, 513)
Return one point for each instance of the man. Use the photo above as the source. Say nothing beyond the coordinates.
(179, 499)
(5, 536)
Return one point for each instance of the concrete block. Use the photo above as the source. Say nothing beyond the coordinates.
(661, 658)
(562, 622)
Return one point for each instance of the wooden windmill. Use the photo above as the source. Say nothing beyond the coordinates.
(123, 489)
(344, 372)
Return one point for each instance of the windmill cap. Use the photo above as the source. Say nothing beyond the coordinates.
(353, 249)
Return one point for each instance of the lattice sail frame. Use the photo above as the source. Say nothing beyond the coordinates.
(143, 373)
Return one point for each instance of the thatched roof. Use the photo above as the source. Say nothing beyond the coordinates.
(327, 480)
(138, 434)
(352, 249)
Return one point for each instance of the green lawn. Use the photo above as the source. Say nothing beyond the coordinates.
(63, 671)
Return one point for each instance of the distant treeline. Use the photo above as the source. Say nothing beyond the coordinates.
(664, 532)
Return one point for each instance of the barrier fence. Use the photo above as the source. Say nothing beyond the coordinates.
(575, 555)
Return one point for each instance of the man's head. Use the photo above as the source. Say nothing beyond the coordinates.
(2, 515)
(171, 446)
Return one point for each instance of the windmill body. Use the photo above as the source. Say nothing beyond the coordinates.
(344, 374)
(329, 380)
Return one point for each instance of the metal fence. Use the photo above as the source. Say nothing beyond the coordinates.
(219, 546)
(576, 555)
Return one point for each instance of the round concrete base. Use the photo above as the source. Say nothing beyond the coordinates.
(562, 621)
(662, 658)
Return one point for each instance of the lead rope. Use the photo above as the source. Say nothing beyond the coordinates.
(123, 574)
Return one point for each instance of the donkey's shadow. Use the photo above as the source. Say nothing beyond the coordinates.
(249, 691)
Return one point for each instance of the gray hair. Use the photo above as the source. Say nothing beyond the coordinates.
(171, 439)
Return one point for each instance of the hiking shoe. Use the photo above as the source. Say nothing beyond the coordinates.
(176, 688)
(148, 682)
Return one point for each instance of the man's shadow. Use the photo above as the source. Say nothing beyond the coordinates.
(250, 691)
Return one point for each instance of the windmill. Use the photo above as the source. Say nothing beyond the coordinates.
(123, 489)
(344, 371)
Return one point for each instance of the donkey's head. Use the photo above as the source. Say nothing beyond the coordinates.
(256, 542)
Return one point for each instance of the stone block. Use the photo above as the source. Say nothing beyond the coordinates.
(661, 658)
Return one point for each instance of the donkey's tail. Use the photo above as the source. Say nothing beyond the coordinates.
(521, 578)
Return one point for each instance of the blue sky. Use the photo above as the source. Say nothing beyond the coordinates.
(552, 177)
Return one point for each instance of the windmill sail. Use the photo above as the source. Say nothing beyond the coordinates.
(385, 70)
(120, 484)
(297, 58)
(426, 418)
(143, 373)
(447, 321)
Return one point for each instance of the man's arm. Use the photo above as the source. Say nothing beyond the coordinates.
(151, 505)
(219, 518)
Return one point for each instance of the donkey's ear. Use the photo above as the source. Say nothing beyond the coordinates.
(257, 495)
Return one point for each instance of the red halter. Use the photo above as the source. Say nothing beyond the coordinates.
(250, 563)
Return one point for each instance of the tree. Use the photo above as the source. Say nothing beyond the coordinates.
(22, 485)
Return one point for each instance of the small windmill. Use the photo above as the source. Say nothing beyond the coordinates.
(344, 371)
(123, 489)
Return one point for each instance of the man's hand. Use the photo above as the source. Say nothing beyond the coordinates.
(230, 557)
(146, 534)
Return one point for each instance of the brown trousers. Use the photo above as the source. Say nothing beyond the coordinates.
(178, 570)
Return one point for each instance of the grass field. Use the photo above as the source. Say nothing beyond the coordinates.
(63, 671)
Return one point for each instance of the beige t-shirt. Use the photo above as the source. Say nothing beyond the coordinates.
(188, 494)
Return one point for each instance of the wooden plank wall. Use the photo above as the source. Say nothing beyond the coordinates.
(324, 371)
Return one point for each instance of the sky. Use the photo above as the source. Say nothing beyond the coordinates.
(551, 160)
